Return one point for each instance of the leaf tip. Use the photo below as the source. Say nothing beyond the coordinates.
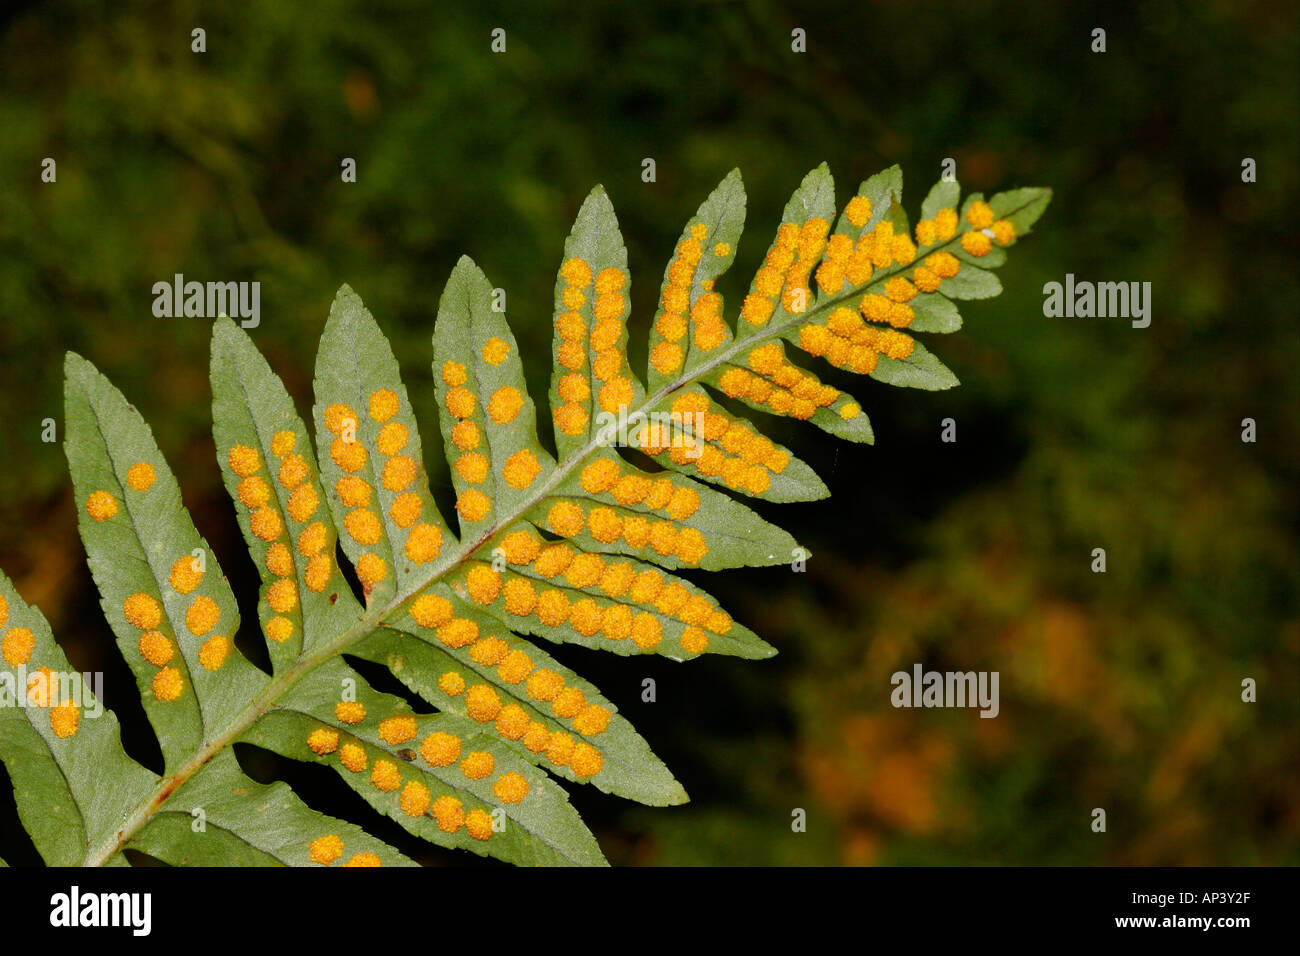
(597, 203)
(78, 370)
(224, 333)
(346, 303)
(466, 266)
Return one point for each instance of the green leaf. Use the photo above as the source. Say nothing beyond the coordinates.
(669, 629)
(591, 376)
(70, 776)
(496, 461)
(815, 198)
(391, 531)
(884, 190)
(828, 418)
(735, 535)
(220, 817)
(142, 558)
(934, 313)
(1022, 207)
(896, 216)
(919, 370)
(631, 770)
(794, 481)
(972, 282)
(942, 195)
(994, 258)
(713, 233)
(542, 828)
(250, 408)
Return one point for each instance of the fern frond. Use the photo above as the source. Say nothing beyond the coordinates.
(577, 547)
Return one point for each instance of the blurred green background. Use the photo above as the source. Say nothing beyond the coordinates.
(1118, 690)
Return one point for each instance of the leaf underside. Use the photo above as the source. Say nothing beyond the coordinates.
(579, 545)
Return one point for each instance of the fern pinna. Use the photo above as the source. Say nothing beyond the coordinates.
(577, 547)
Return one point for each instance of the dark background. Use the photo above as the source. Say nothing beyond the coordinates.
(1118, 690)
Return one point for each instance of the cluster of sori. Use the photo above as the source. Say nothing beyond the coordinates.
(596, 349)
(396, 473)
(770, 380)
(786, 271)
(708, 330)
(266, 522)
(520, 469)
(725, 448)
(558, 586)
(144, 611)
(977, 240)
(415, 789)
(643, 511)
(17, 645)
(328, 849)
(853, 339)
(568, 705)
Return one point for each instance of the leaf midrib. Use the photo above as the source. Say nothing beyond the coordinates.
(374, 617)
